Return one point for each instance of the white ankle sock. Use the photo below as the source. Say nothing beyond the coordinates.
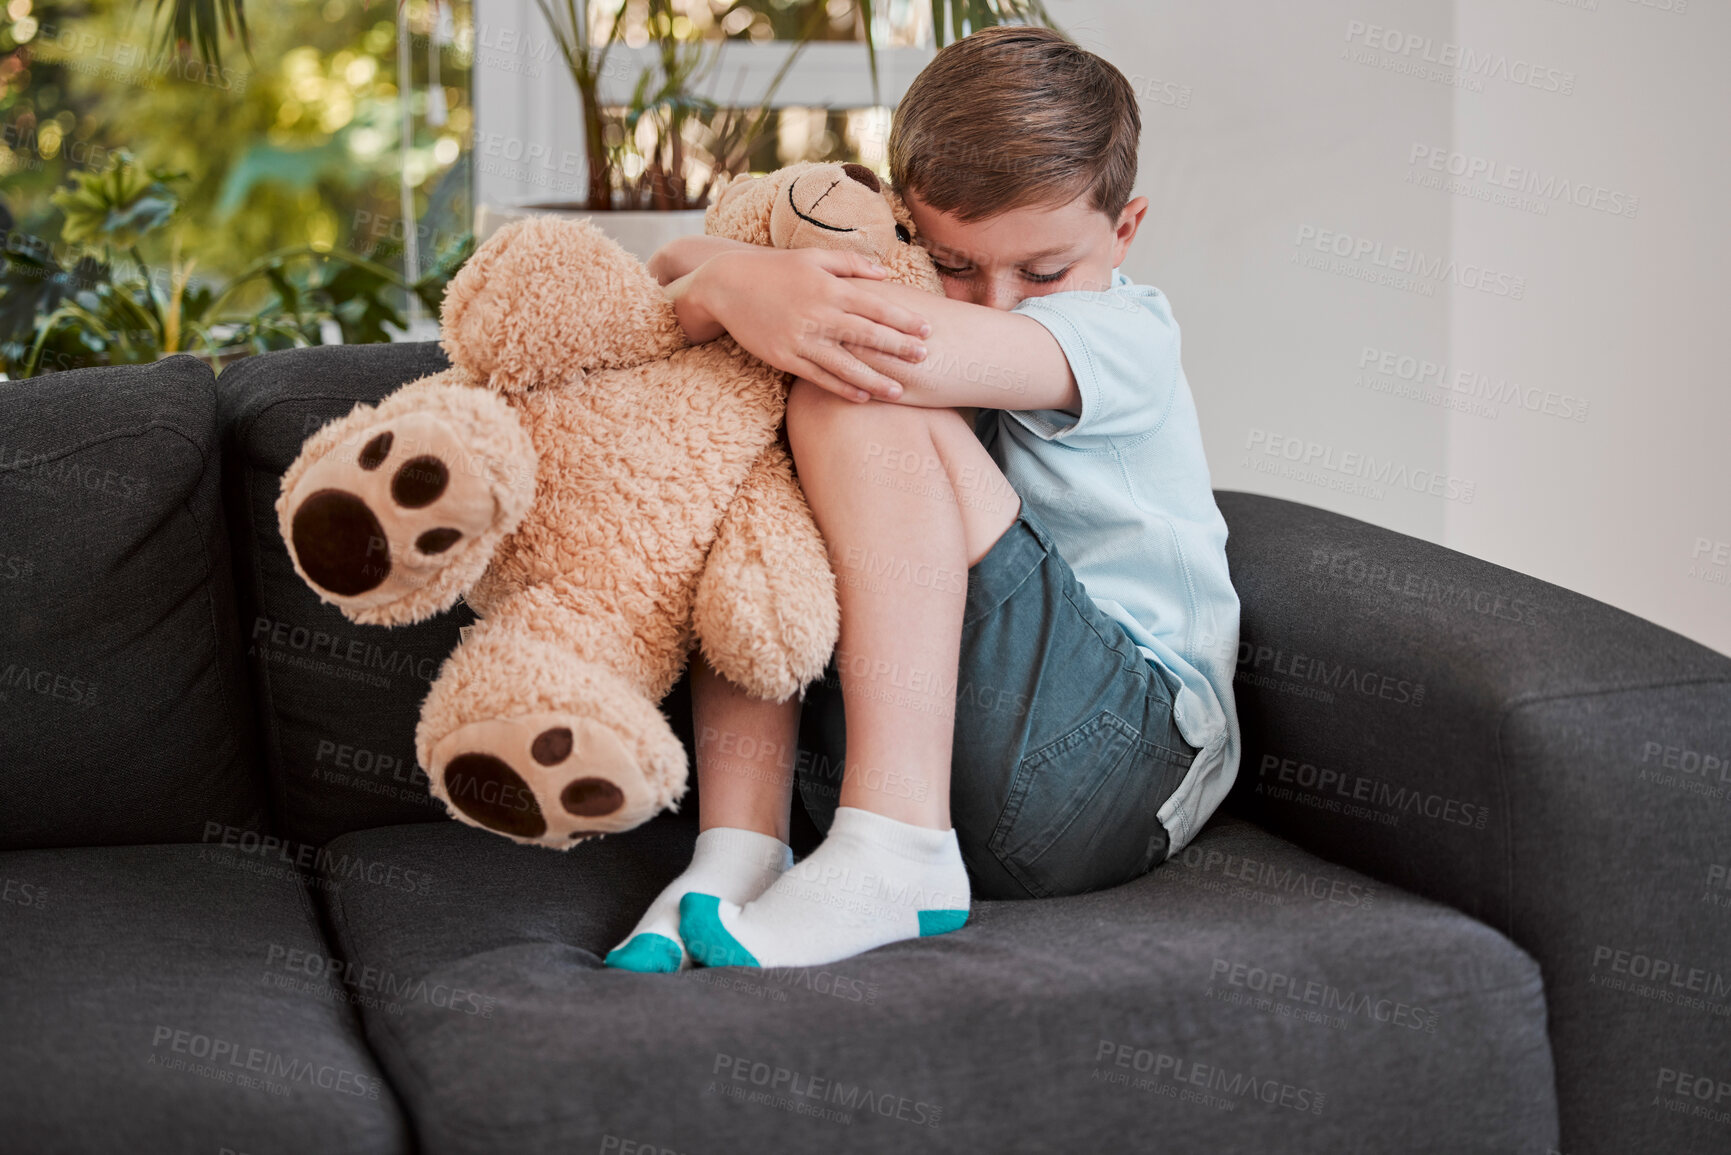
(728, 862)
(875, 880)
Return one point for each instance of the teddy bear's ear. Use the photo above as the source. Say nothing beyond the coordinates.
(734, 185)
(740, 211)
(909, 263)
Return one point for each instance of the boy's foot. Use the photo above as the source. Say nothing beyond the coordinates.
(738, 864)
(875, 880)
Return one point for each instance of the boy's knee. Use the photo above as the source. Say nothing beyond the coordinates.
(816, 413)
(805, 400)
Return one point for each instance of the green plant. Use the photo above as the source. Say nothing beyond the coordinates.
(194, 22)
(665, 94)
(78, 303)
(967, 16)
(680, 166)
(666, 97)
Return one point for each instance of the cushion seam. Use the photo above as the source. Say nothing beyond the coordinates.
(113, 435)
(262, 669)
(340, 917)
(251, 419)
(206, 534)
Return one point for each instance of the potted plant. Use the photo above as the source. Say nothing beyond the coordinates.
(652, 163)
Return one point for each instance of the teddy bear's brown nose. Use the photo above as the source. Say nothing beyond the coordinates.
(864, 175)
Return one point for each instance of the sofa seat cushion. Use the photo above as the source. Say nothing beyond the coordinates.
(177, 997)
(1245, 996)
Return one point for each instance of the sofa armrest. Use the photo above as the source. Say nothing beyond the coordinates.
(1554, 767)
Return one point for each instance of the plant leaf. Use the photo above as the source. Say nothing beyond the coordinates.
(116, 206)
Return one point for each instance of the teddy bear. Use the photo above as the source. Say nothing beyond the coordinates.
(603, 494)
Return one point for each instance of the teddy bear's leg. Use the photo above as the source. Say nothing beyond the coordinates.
(524, 735)
(393, 511)
(766, 609)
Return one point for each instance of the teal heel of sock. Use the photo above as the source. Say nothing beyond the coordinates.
(708, 941)
(646, 954)
(941, 921)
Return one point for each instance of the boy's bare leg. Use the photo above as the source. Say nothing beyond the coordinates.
(745, 752)
(907, 500)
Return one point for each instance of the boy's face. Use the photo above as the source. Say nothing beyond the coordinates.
(1026, 252)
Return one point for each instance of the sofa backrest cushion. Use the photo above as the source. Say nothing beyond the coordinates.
(123, 708)
(337, 702)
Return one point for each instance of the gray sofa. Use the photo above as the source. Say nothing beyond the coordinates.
(1469, 894)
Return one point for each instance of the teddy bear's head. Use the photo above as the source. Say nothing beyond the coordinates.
(546, 299)
(824, 206)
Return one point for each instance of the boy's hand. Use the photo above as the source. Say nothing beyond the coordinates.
(797, 309)
(681, 255)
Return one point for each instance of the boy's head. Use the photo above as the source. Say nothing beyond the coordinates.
(1015, 151)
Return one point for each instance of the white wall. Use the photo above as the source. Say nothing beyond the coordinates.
(1578, 425)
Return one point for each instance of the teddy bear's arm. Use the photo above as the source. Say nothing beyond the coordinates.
(766, 614)
(546, 300)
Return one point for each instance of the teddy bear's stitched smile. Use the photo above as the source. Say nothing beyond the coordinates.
(813, 220)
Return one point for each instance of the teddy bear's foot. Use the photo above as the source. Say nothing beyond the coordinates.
(381, 519)
(391, 515)
(531, 741)
(584, 779)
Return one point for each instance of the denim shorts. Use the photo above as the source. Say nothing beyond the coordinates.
(1065, 746)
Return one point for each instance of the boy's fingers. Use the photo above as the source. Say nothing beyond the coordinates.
(823, 378)
(855, 372)
(845, 264)
(907, 348)
(886, 340)
(875, 308)
(852, 329)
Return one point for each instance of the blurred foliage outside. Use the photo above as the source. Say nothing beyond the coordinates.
(267, 185)
(294, 148)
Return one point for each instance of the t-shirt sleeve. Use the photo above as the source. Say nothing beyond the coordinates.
(1122, 346)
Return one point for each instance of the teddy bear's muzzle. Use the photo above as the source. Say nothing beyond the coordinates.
(834, 206)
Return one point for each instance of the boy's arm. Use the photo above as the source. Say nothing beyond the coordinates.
(682, 255)
(804, 311)
(976, 357)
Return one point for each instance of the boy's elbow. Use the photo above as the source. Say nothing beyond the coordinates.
(674, 259)
(660, 268)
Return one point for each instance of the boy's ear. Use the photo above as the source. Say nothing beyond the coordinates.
(1125, 231)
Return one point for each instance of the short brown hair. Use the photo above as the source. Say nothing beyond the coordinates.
(1014, 116)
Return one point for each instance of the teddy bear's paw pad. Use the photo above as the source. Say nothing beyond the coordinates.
(378, 516)
(490, 792)
(551, 778)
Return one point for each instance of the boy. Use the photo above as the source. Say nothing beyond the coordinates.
(1068, 703)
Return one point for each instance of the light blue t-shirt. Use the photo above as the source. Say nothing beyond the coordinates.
(1125, 493)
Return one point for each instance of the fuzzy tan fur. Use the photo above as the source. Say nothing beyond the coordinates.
(614, 496)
